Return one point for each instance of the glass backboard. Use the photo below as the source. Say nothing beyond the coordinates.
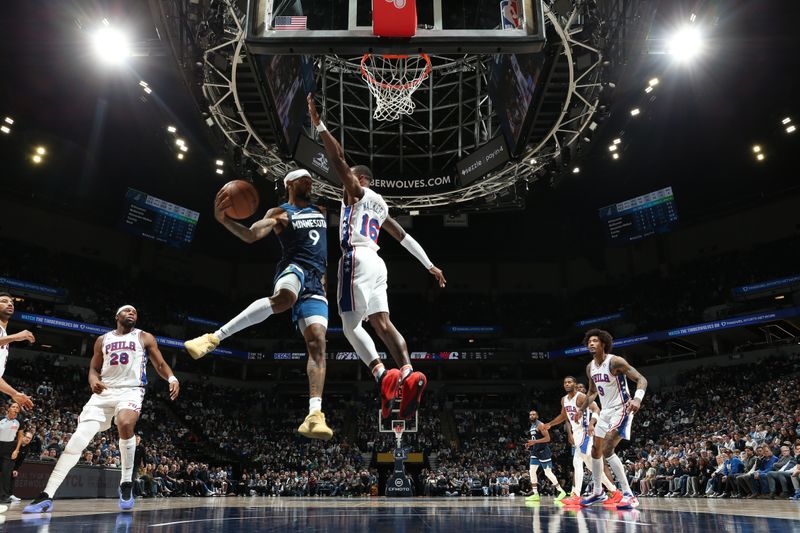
(346, 27)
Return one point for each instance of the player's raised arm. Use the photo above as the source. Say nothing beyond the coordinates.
(618, 366)
(562, 416)
(257, 231)
(409, 243)
(335, 153)
(161, 366)
(96, 366)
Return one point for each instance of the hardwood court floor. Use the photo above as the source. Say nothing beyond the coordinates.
(501, 515)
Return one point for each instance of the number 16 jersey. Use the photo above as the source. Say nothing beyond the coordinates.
(361, 222)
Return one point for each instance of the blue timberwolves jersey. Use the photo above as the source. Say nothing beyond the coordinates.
(304, 240)
(541, 450)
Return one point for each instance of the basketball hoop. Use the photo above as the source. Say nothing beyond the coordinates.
(392, 79)
(398, 428)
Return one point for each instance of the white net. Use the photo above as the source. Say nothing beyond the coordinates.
(392, 79)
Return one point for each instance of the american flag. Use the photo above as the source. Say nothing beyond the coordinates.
(290, 23)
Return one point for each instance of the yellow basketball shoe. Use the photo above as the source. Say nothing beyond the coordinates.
(202, 345)
(314, 427)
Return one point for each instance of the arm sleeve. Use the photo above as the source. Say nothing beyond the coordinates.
(410, 244)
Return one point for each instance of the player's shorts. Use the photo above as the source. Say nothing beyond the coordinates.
(584, 446)
(618, 418)
(106, 405)
(311, 306)
(362, 282)
(544, 463)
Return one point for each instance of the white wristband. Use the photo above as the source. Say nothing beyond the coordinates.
(416, 250)
(639, 394)
(172, 379)
(595, 416)
(321, 127)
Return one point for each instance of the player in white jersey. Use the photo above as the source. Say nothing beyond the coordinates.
(579, 434)
(608, 375)
(363, 278)
(6, 311)
(117, 377)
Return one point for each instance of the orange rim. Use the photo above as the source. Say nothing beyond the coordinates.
(365, 73)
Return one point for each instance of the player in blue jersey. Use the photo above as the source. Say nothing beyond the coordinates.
(301, 228)
(541, 456)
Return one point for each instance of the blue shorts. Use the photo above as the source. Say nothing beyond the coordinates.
(311, 301)
(544, 463)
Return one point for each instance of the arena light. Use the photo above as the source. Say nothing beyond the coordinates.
(9, 121)
(612, 148)
(180, 142)
(5, 129)
(615, 156)
(756, 148)
(780, 297)
(220, 171)
(617, 140)
(576, 170)
(784, 121)
(111, 45)
(148, 90)
(184, 148)
(653, 82)
(180, 155)
(685, 44)
(40, 150)
(635, 111)
(36, 159)
(143, 83)
(791, 128)
(760, 157)
(172, 129)
(648, 89)
(414, 212)
(219, 162)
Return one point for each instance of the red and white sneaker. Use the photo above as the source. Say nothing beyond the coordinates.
(571, 501)
(613, 498)
(390, 382)
(412, 388)
(628, 501)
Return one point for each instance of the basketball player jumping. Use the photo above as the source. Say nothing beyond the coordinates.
(608, 375)
(363, 278)
(6, 311)
(117, 377)
(580, 434)
(299, 285)
(541, 455)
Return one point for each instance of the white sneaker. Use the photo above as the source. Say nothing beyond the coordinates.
(3, 509)
(14, 498)
(629, 501)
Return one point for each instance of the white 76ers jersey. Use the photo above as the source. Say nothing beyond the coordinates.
(124, 360)
(613, 390)
(579, 429)
(3, 352)
(361, 222)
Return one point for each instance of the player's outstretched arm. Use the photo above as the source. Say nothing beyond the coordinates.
(21, 398)
(335, 153)
(96, 366)
(160, 364)
(409, 243)
(618, 366)
(562, 416)
(257, 231)
(23, 335)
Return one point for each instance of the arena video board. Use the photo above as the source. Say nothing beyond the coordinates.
(640, 217)
(153, 218)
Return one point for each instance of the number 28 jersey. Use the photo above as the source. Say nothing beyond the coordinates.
(124, 360)
(361, 222)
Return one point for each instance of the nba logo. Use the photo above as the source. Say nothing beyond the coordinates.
(509, 14)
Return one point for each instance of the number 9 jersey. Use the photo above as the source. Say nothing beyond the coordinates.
(361, 222)
(124, 360)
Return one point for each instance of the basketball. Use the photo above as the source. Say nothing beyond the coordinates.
(244, 199)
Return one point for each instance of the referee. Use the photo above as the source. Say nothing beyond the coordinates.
(10, 441)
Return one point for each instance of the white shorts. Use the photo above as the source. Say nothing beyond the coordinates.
(583, 447)
(616, 418)
(106, 405)
(362, 282)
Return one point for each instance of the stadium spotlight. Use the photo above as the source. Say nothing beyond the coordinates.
(756, 148)
(172, 129)
(685, 44)
(184, 148)
(760, 157)
(180, 142)
(612, 148)
(576, 170)
(648, 89)
(653, 82)
(614, 156)
(617, 140)
(5, 129)
(220, 171)
(36, 159)
(791, 128)
(148, 90)
(111, 45)
(9, 121)
(635, 111)
(40, 150)
(180, 155)
(784, 121)
(219, 162)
